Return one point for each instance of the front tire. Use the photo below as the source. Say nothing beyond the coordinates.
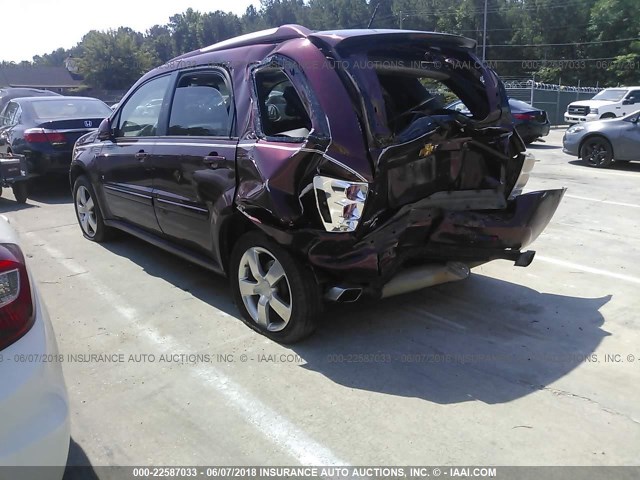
(277, 296)
(597, 152)
(88, 211)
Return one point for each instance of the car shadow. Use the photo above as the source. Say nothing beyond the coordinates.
(542, 146)
(78, 464)
(52, 190)
(10, 205)
(481, 339)
(619, 166)
(200, 282)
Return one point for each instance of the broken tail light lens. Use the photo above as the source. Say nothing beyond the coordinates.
(16, 304)
(523, 178)
(340, 202)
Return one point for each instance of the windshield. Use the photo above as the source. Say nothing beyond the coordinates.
(613, 95)
(70, 108)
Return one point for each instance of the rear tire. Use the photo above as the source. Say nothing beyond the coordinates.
(597, 152)
(20, 191)
(276, 295)
(88, 211)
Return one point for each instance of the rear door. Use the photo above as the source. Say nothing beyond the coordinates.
(124, 164)
(194, 163)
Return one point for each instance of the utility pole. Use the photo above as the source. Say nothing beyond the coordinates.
(401, 18)
(374, 15)
(484, 34)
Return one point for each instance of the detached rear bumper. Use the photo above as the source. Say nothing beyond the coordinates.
(426, 235)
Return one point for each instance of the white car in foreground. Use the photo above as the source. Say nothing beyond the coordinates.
(34, 410)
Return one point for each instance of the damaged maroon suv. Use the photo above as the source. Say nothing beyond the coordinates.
(316, 166)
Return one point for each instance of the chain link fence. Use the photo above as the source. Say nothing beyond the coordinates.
(553, 98)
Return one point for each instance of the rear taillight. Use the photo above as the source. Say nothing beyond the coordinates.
(16, 304)
(524, 116)
(40, 135)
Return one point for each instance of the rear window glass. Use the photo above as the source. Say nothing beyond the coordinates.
(66, 108)
(404, 81)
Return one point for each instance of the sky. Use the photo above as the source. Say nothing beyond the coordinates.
(46, 25)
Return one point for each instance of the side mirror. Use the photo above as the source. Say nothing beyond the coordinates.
(104, 130)
(629, 101)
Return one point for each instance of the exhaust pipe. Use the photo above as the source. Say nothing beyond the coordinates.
(343, 294)
(417, 278)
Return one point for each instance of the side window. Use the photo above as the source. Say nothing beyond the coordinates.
(9, 114)
(201, 106)
(282, 112)
(139, 116)
(634, 96)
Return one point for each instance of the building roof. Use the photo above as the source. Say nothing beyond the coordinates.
(37, 77)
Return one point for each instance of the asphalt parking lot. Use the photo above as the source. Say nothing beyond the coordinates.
(515, 366)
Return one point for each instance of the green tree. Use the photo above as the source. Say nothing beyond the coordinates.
(114, 59)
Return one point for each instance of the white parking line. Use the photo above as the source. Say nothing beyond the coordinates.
(270, 423)
(609, 202)
(586, 269)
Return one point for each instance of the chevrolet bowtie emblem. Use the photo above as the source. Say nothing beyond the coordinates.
(427, 150)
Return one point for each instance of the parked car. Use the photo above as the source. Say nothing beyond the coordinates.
(34, 430)
(357, 183)
(601, 143)
(44, 129)
(609, 103)
(531, 123)
(7, 94)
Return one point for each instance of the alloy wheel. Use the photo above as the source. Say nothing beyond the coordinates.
(264, 288)
(597, 153)
(86, 211)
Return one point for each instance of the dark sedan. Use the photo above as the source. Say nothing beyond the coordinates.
(44, 129)
(531, 123)
(7, 94)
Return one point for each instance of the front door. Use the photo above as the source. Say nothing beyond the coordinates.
(194, 163)
(124, 164)
(626, 145)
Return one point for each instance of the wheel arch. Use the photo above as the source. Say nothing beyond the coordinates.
(75, 171)
(235, 226)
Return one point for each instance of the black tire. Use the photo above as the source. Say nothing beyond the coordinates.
(20, 191)
(296, 289)
(607, 115)
(97, 231)
(597, 152)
